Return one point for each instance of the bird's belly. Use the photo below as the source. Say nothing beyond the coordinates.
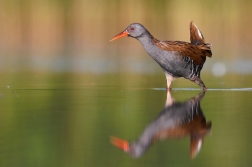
(176, 68)
(177, 65)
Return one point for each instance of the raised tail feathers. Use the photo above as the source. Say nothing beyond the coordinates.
(197, 38)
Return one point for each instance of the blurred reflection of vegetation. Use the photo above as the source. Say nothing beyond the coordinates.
(84, 27)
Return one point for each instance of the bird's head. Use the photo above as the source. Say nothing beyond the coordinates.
(134, 30)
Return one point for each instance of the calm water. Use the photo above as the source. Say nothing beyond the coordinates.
(68, 120)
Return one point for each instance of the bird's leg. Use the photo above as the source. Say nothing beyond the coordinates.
(199, 82)
(169, 80)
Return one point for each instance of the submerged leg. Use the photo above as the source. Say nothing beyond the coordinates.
(169, 79)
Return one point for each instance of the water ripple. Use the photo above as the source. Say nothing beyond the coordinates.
(209, 89)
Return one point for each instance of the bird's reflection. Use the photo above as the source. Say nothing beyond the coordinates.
(176, 120)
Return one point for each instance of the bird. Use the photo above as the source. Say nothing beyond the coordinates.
(176, 58)
(177, 120)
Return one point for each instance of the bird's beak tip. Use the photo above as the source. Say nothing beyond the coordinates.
(120, 35)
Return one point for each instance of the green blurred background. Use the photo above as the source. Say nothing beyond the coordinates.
(73, 35)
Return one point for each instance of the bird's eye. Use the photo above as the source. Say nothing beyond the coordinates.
(132, 28)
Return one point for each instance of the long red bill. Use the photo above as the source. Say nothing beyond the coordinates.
(119, 143)
(120, 35)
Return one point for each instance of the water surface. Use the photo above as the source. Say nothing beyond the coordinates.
(67, 120)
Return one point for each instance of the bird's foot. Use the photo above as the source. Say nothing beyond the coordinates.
(204, 89)
(168, 89)
(199, 82)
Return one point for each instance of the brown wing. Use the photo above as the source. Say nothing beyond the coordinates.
(197, 53)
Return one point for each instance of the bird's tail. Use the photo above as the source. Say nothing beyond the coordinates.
(197, 38)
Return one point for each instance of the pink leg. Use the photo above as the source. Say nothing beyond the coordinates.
(169, 80)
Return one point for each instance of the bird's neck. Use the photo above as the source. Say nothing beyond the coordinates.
(148, 42)
(146, 39)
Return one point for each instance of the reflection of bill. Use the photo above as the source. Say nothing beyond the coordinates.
(176, 120)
